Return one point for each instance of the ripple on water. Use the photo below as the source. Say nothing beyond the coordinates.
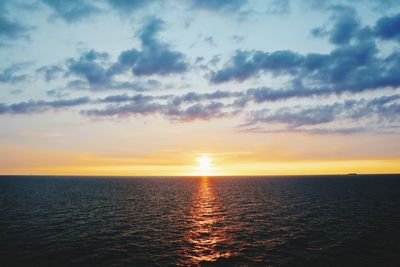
(249, 221)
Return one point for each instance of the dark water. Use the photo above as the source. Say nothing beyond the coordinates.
(249, 221)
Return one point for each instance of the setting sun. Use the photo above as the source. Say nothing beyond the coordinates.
(204, 165)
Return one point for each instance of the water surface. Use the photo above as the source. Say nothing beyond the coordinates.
(215, 221)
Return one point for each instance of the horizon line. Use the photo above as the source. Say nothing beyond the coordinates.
(200, 176)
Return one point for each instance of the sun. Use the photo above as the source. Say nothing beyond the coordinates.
(205, 165)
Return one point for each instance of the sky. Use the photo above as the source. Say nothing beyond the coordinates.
(150, 87)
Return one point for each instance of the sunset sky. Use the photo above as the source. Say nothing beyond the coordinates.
(199, 87)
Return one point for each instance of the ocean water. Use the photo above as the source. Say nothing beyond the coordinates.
(214, 221)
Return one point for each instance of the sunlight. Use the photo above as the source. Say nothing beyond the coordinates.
(204, 165)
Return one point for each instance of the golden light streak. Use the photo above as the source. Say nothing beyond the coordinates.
(31, 161)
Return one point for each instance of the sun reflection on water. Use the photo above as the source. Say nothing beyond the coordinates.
(208, 231)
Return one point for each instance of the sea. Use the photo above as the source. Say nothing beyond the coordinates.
(342, 220)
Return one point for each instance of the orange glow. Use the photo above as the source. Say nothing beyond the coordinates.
(52, 162)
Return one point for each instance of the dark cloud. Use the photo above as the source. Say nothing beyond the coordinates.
(246, 64)
(97, 73)
(346, 24)
(348, 68)
(32, 106)
(388, 27)
(10, 29)
(90, 66)
(354, 65)
(347, 27)
(11, 74)
(72, 10)
(155, 58)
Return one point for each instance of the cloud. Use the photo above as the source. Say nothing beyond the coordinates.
(246, 64)
(56, 93)
(135, 108)
(377, 111)
(32, 106)
(155, 58)
(50, 72)
(192, 106)
(144, 107)
(348, 68)
(210, 40)
(265, 94)
(278, 7)
(217, 5)
(237, 38)
(354, 65)
(346, 24)
(127, 7)
(97, 72)
(382, 6)
(319, 32)
(197, 112)
(347, 27)
(357, 115)
(314, 130)
(388, 28)
(10, 74)
(125, 98)
(10, 28)
(90, 66)
(72, 10)
(294, 117)
(191, 97)
(188, 107)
